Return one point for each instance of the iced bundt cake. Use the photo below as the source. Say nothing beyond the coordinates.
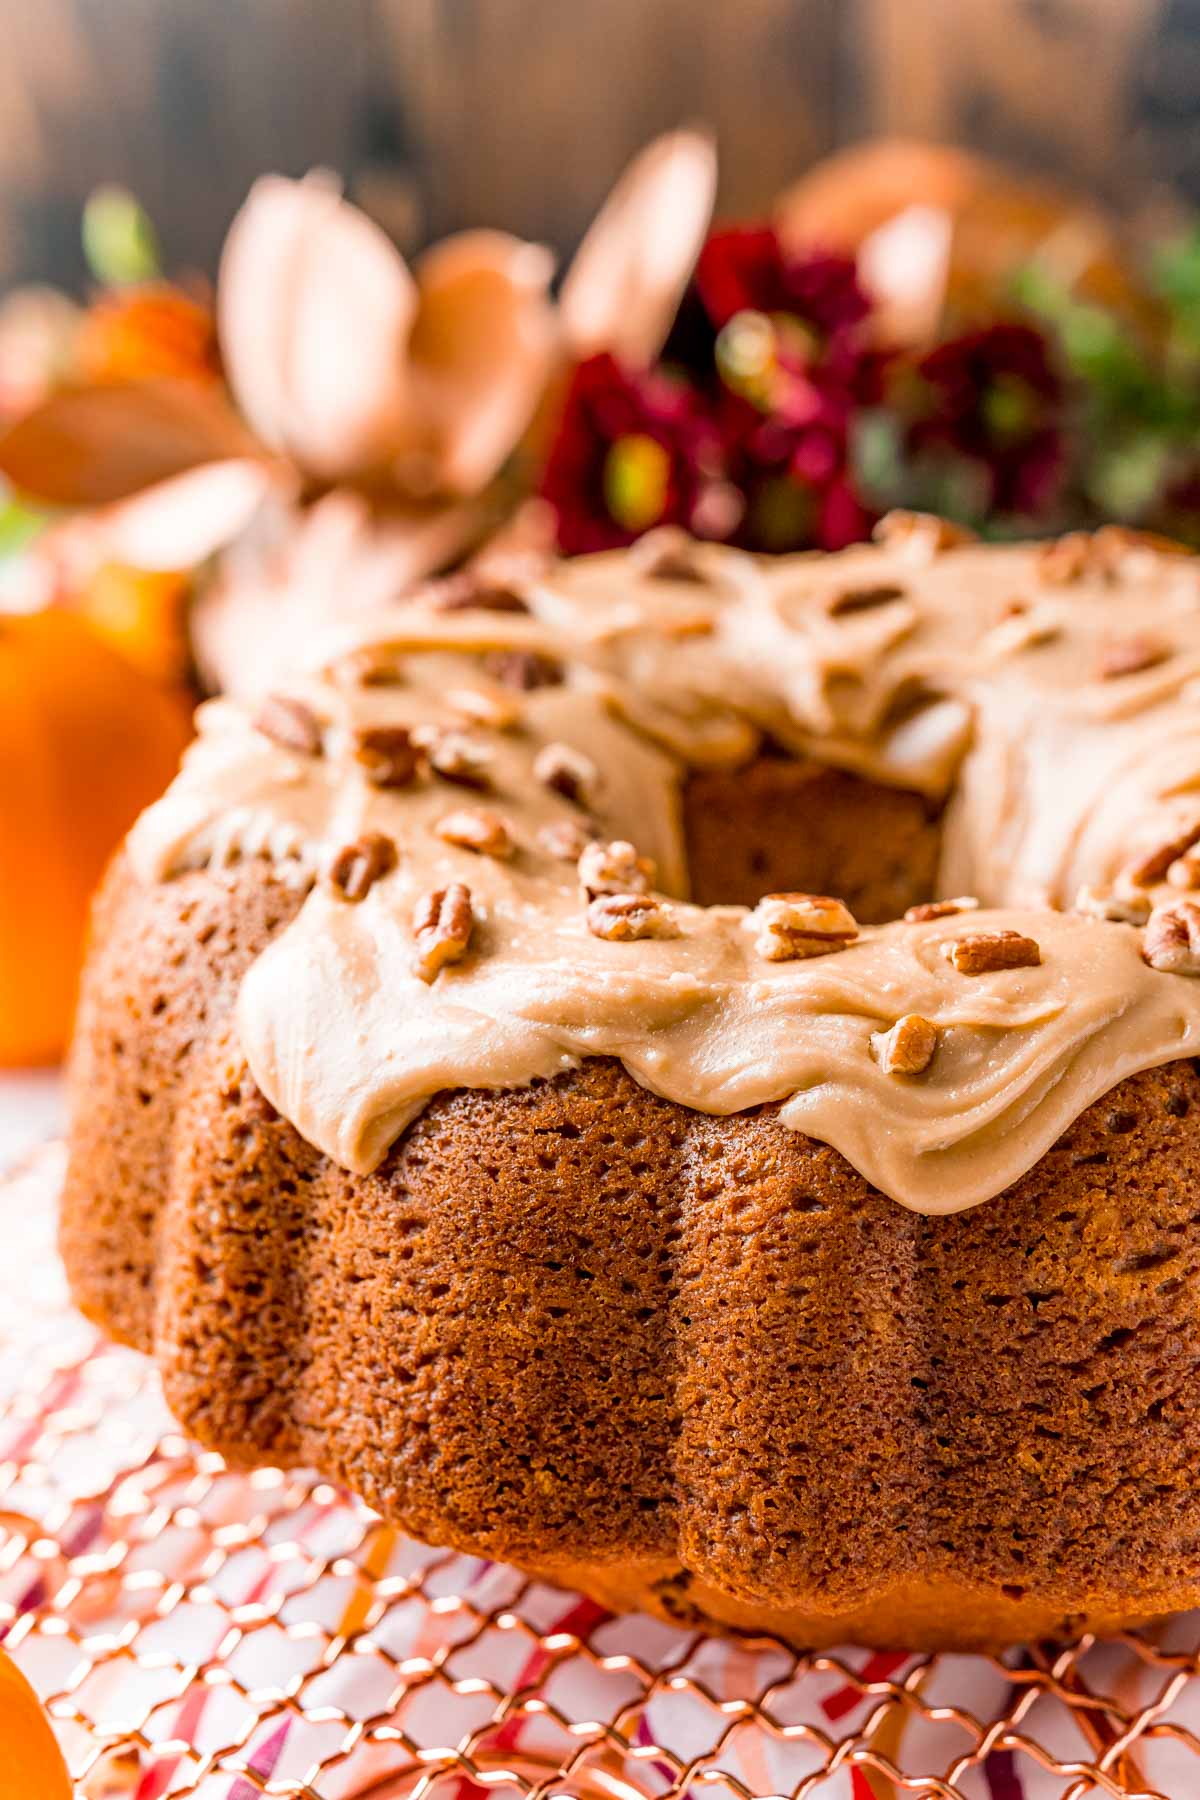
(676, 1072)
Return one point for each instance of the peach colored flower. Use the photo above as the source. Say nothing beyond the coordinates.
(346, 367)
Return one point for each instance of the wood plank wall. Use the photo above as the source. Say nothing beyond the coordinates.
(518, 112)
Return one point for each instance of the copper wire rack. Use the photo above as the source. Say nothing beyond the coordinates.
(193, 1631)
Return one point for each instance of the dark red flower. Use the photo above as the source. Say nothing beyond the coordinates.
(748, 270)
(995, 398)
(750, 443)
(631, 451)
(794, 476)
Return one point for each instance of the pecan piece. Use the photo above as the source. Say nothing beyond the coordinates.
(623, 917)
(374, 666)
(289, 723)
(614, 868)
(983, 952)
(1121, 547)
(1066, 559)
(1113, 904)
(667, 554)
(1153, 865)
(568, 772)
(470, 590)
(940, 909)
(1171, 941)
(564, 839)
(442, 926)
(1184, 872)
(473, 829)
(524, 670)
(479, 707)
(1027, 629)
(1129, 656)
(455, 757)
(920, 536)
(356, 867)
(791, 926)
(907, 1049)
(389, 757)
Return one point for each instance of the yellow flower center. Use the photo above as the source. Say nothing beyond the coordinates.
(637, 472)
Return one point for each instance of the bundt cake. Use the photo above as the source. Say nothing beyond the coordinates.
(675, 1070)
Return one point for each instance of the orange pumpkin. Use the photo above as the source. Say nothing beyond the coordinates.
(86, 741)
(142, 613)
(1000, 221)
(30, 1760)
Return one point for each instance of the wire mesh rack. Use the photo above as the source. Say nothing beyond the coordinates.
(193, 1631)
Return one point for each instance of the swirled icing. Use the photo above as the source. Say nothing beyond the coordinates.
(966, 673)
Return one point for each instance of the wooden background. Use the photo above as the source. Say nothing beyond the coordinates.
(519, 112)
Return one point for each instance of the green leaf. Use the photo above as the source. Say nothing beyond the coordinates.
(19, 524)
(119, 241)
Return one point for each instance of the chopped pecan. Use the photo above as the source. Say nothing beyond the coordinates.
(940, 909)
(668, 554)
(480, 707)
(568, 772)
(1109, 552)
(471, 828)
(1171, 941)
(919, 536)
(1119, 546)
(457, 758)
(373, 666)
(564, 839)
(289, 723)
(442, 926)
(622, 917)
(790, 926)
(907, 1049)
(1152, 866)
(1114, 904)
(1184, 872)
(983, 952)
(1027, 629)
(472, 590)
(388, 755)
(1129, 656)
(614, 868)
(356, 868)
(524, 670)
(863, 599)
(1066, 559)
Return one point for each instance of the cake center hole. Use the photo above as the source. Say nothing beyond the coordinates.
(784, 823)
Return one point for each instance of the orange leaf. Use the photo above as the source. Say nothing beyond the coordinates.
(482, 349)
(624, 287)
(178, 523)
(87, 446)
(315, 309)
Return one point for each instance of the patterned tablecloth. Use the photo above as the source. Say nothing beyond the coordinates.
(199, 1632)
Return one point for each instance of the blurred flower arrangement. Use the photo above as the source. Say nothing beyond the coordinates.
(911, 326)
(206, 475)
(803, 391)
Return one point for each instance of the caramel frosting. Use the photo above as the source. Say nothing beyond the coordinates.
(430, 777)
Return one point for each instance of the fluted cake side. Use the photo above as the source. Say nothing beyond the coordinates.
(689, 1363)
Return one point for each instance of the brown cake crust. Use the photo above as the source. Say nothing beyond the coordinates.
(690, 1363)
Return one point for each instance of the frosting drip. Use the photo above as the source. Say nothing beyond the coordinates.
(1069, 747)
